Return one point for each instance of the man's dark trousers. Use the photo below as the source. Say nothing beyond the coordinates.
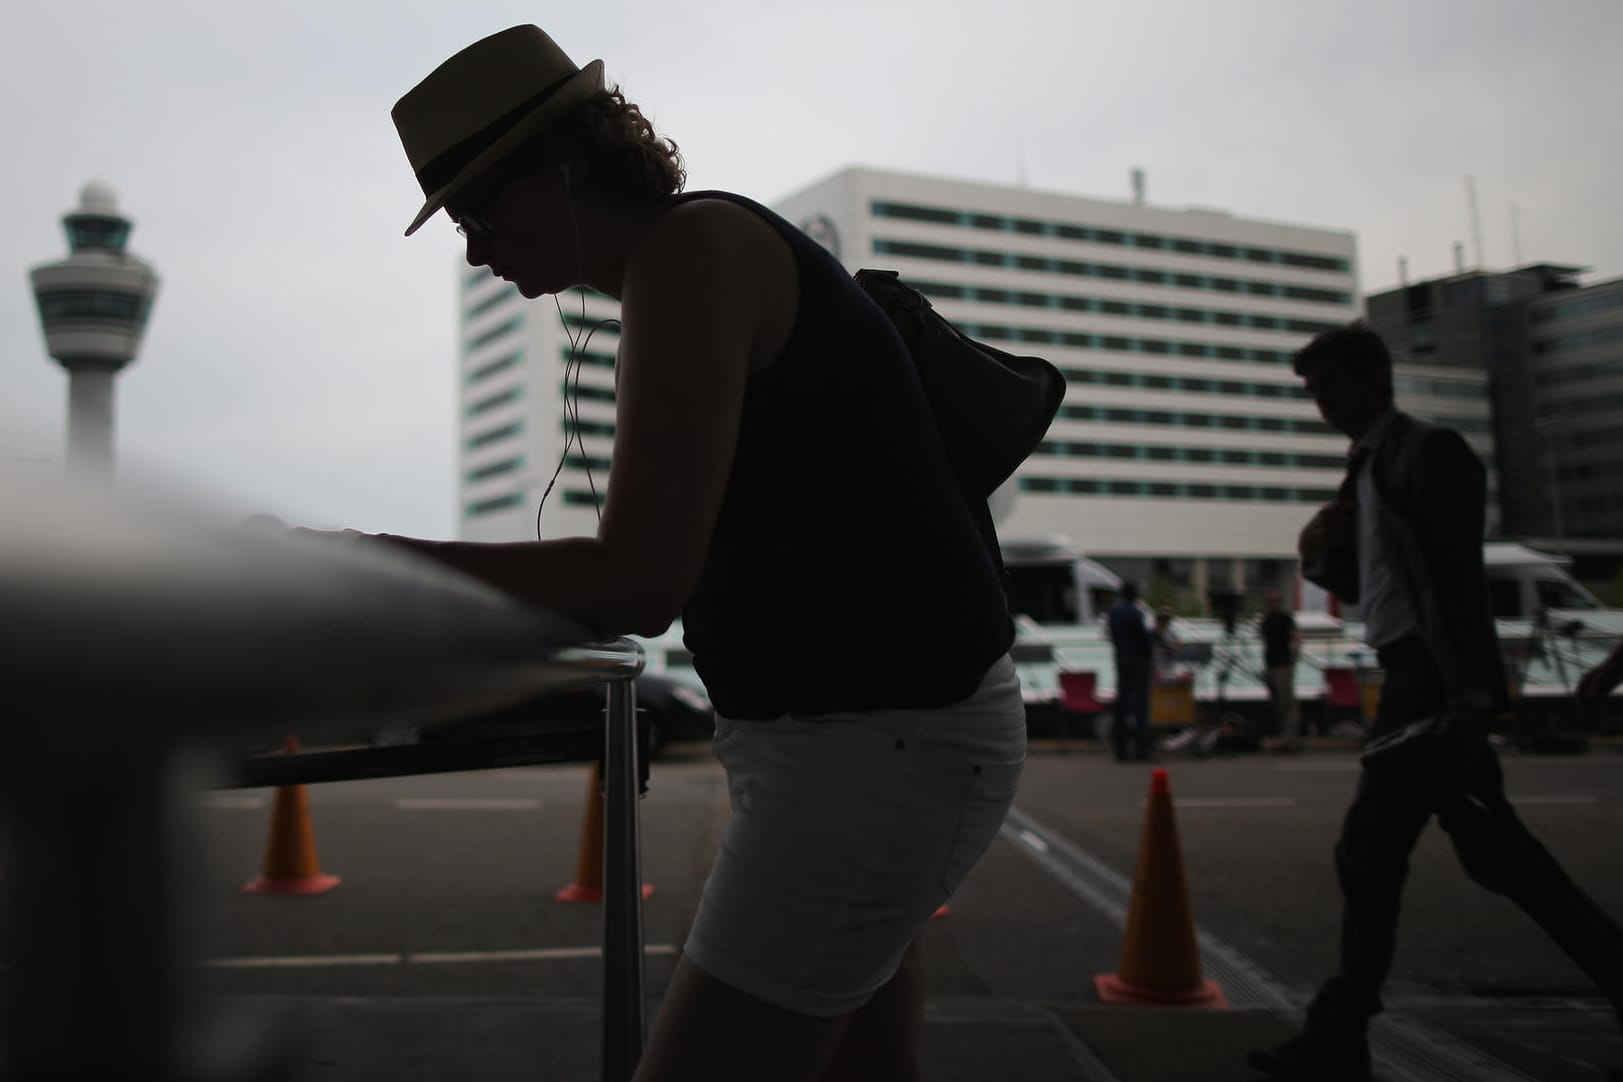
(1132, 702)
(1464, 788)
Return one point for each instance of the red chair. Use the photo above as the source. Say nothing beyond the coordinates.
(1343, 692)
(1078, 695)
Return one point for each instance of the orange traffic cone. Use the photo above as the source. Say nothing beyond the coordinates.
(1160, 964)
(588, 884)
(944, 910)
(291, 866)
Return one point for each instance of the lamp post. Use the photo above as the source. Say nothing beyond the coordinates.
(93, 307)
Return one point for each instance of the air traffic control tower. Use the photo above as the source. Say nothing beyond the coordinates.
(93, 306)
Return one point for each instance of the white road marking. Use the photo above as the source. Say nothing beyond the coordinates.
(1230, 802)
(313, 961)
(1554, 799)
(305, 961)
(231, 800)
(435, 803)
(1032, 840)
(545, 954)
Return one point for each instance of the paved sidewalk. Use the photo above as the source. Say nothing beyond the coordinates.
(401, 1039)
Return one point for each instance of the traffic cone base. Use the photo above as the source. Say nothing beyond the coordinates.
(1112, 989)
(943, 911)
(580, 892)
(309, 884)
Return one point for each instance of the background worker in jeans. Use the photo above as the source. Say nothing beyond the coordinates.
(1135, 654)
(1404, 540)
(1281, 643)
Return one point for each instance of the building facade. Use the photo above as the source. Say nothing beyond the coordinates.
(1185, 449)
(516, 412)
(1546, 358)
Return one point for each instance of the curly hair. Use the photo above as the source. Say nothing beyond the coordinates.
(613, 143)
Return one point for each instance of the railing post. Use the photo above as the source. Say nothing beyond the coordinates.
(624, 1031)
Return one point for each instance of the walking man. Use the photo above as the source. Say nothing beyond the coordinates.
(1403, 539)
(1135, 648)
(1281, 642)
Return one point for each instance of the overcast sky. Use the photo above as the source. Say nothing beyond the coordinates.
(300, 359)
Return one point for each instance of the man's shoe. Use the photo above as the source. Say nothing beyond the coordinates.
(1317, 1054)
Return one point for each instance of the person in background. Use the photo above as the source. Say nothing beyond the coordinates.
(1604, 678)
(1403, 539)
(870, 758)
(1168, 645)
(1135, 665)
(1281, 644)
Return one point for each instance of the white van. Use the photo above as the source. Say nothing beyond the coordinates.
(1051, 582)
(1523, 582)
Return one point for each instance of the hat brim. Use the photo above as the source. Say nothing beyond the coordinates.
(581, 85)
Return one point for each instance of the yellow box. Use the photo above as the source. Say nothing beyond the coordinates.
(1172, 703)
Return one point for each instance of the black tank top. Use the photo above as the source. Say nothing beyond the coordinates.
(845, 572)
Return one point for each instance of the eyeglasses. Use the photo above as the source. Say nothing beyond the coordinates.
(472, 225)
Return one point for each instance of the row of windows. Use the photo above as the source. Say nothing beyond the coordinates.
(500, 364)
(498, 297)
(588, 392)
(1578, 306)
(1154, 381)
(1224, 456)
(1108, 271)
(992, 332)
(1419, 386)
(96, 231)
(498, 331)
(578, 498)
(1557, 377)
(494, 504)
(1098, 306)
(1175, 490)
(1189, 419)
(1601, 336)
(495, 469)
(94, 306)
(1588, 406)
(500, 398)
(494, 435)
(1096, 235)
(589, 358)
(587, 462)
(587, 427)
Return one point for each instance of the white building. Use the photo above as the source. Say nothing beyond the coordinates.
(513, 421)
(1184, 446)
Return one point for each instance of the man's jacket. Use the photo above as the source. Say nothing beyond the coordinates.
(1431, 496)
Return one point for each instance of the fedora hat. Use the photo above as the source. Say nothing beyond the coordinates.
(481, 104)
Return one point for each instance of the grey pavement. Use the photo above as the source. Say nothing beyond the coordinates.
(366, 983)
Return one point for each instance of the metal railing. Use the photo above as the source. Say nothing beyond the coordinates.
(143, 646)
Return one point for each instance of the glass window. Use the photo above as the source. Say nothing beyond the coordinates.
(1032, 263)
(1188, 247)
(1026, 225)
(1071, 232)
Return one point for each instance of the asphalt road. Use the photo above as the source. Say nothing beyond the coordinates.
(446, 913)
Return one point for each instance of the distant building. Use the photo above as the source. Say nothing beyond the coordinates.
(1529, 364)
(513, 420)
(1185, 446)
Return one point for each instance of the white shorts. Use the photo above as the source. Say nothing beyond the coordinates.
(847, 833)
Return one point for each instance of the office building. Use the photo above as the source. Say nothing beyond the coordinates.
(1529, 364)
(1184, 448)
